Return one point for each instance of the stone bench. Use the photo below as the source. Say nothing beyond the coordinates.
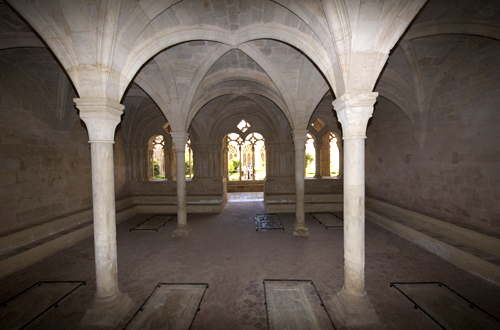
(285, 203)
(471, 250)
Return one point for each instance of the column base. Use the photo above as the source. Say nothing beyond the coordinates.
(300, 230)
(108, 312)
(354, 310)
(183, 231)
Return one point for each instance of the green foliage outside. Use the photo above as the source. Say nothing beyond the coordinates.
(156, 169)
(186, 168)
(233, 169)
(309, 170)
(235, 163)
(309, 159)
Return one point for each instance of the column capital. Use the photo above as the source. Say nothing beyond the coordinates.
(299, 137)
(179, 139)
(101, 117)
(354, 111)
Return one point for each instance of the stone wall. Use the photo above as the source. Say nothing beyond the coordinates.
(455, 175)
(44, 154)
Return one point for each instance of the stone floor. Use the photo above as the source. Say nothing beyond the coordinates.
(225, 251)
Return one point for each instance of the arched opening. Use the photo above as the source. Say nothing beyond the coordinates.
(310, 158)
(234, 143)
(330, 155)
(255, 157)
(189, 160)
(156, 157)
(246, 159)
(334, 154)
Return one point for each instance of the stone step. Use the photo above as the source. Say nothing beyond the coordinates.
(470, 258)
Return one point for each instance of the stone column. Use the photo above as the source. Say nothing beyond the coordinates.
(253, 161)
(179, 139)
(110, 304)
(341, 158)
(241, 160)
(352, 302)
(317, 149)
(299, 139)
(216, 164)
(325, 156)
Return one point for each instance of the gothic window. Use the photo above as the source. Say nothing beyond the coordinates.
(330, 155)
(189, 160)
(334, 155)
(156, 157)
(243, 125)
(234, 142)
(318, 124)
(257, 165)
(310, 158)
(247, 156)
(232, 152)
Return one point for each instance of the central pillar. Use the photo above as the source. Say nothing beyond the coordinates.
(299, 139)
(317, 161)
(110, 304)
(352, 303)
(179, 139)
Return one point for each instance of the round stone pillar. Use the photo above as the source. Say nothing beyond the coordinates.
(317, 149)
(299, 139)
(110, 304)
(179, 139)
(352, 303)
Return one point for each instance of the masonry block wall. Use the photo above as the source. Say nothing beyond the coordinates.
(45, 166)
(455, 174)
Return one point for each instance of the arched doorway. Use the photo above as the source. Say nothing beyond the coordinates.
(246, 159)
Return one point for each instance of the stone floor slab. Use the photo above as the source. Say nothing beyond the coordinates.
(329, 219)
(295, 304)
(170, 306)
(22, 309)
(264, 222)
(154, 222)
(446, 307)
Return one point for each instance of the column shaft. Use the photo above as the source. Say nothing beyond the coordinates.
(103, 189)
(317, 149)
(179, 139)
(354, 216)
(181, 187)
(110, 305)
(299, 227)
(352, 303)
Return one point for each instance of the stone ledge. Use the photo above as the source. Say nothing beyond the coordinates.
(48, 247)
(456, 256)
(469, 237)
(29, 235)
(285, 203)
